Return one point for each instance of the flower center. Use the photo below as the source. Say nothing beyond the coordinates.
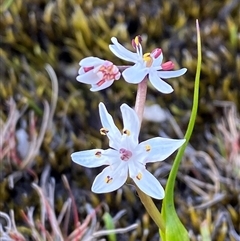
(108, 71)
(148, 59)
(125, 155)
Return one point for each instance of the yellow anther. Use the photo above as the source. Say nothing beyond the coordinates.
(126, 132)
(139, 176)
(148, 148)
(148, 59)
(104, 131)
(108, 179)
(98, 154)
(137, 40)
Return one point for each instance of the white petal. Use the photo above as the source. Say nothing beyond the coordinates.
(149, 184)
(103, 86)
(89, 77)
(158, 61)
(135, 74)
(113, 134)
(90, 158)
(121, 52)
(159, 84)
(110, 179)
(171, 73)
(91, 62)
(158, 148)
(130, 123)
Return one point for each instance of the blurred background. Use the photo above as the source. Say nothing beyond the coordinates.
(45, 115)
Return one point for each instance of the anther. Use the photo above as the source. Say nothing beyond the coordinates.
(104, 131)
(108, 179)
(136, 41)
(148, 59)
(86, 69)
(126, 132)
(147, 147)
(98, 154)
(139, 176)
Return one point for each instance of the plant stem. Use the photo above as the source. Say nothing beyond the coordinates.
(145, 199)
(141, 98)
(151, 209)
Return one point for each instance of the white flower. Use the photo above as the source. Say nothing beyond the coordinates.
(146, 64)
(98, 73)
(125, 155)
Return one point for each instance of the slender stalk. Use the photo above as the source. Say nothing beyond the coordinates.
(141, 98)
(151, 209)
(145, 199)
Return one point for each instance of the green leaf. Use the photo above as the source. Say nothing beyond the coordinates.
(109, 224)
(175, 231)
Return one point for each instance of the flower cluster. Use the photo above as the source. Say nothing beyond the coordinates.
(102, 73)
(126, 157)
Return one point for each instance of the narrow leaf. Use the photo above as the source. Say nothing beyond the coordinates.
(175, 231)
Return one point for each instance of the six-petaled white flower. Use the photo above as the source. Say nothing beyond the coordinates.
(97, 72)
(126, 156)
(146, 64)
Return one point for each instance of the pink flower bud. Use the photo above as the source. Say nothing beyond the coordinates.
(156, 52)
(168, 65)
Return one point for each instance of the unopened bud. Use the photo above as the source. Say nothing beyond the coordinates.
(156, 53)
(168, 65)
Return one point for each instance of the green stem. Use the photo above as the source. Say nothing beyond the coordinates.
(151, 209)
(145, 199)
(173, 173)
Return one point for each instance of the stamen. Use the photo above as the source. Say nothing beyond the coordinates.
(126, 132)
(98, 154)
(136, 41)
(148, 59)
(108, 179)
(102, 81)
(104, 131)
(86, 69)
(139, 176)
(134, 44)
(108, 71)
(148, 148)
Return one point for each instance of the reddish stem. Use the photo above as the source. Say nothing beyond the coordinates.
(141, 98)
